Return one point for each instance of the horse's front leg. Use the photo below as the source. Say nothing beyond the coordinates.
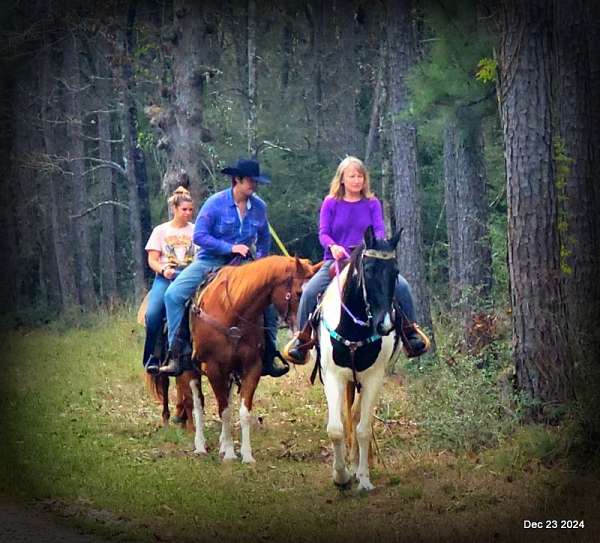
(249, 384)
(369, 394)
(223, 390)
(198, 414)
(334, 392)
(226, 437)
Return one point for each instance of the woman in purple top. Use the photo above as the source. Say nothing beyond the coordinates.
(345, 214)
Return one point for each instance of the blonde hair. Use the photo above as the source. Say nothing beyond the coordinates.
(337, 190)
(180, 195)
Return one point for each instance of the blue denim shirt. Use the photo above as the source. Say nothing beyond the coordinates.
(218, 227)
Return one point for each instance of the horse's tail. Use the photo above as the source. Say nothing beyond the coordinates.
(155, 386)
(351, 416)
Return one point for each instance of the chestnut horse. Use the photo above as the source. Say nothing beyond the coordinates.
(228, 338)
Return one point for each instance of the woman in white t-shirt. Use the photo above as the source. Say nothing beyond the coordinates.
(170, 249)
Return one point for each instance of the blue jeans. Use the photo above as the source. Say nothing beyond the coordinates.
(319, 282)
(155, 315)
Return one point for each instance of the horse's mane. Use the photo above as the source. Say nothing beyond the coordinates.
(353, 265)
(233, 284)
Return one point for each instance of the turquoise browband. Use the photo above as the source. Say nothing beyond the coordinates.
(382, 255)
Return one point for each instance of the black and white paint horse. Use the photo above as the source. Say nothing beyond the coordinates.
(357, 338)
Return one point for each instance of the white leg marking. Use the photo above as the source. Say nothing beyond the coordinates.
(198, 414)
(226, 440)
(370, 393)
(334, 391)
(245, 423)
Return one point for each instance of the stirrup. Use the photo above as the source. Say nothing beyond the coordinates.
(409, 351)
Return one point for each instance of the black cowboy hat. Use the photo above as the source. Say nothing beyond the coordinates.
(247, 168)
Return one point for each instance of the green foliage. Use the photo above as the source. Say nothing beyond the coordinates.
(487, 70)
(460, 401)
(562, 169)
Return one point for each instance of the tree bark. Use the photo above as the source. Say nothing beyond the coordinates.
(472, 211)
(181, 122)
(579, 244)
(542, 359)
(75, 157)
(251, 77)
(401, 47)
(128, 121)
(107, 257)
(53, 135)
(450, 202)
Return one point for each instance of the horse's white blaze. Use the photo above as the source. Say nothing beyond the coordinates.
(388, 325)
(335, 379)
(246, 423)
(198, 414)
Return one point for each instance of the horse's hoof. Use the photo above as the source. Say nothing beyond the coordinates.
(248, 460)
(342, 480)
(365, 486)
(229, 457)
(200, 451)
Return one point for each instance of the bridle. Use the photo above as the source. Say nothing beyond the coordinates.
(352, 346)
(365, 253)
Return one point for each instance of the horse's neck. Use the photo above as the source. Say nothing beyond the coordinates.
(254, 301)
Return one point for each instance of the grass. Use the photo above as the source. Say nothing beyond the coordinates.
(81, 434)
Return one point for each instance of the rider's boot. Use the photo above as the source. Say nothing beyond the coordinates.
(297, 348)
(414, 340)
(173, 365)
(152, 365)
(271, 360)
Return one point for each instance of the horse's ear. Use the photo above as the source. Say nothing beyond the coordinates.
(369, 237)
(396, 238)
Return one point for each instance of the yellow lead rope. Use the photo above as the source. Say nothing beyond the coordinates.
(278, 241)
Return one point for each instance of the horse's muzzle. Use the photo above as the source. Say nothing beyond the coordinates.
(385, 325)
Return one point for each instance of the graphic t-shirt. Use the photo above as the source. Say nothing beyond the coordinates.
(175, 244)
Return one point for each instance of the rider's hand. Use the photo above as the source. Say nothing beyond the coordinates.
(338, 252)
(169, 273)
(240, 249)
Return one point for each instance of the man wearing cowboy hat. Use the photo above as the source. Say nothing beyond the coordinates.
(228, 224)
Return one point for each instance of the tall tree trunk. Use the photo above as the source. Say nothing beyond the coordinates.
(128, 123)
(53, 134)
(377, 107)
(452, 221)
(346, 139)
(251, 77)
(182, 123)
(401, 48)
(578, 238)
(75, 156)
(472, 213)
(107, 257)
(542, 359)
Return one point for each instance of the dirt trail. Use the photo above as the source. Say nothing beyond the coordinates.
(29, 524)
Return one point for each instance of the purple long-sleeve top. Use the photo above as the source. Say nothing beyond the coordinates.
(344, 223)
